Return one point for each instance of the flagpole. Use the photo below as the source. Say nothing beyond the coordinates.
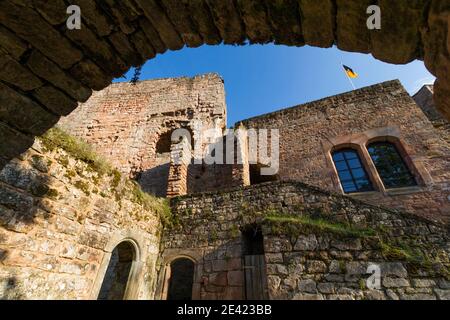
(351, 82)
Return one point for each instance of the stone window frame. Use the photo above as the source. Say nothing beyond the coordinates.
(359, 142)
(136, 271)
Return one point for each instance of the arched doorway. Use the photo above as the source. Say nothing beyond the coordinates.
(181, 279)
(115, 282)
(254, 263)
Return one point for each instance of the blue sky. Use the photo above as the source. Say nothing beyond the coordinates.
(260, 79)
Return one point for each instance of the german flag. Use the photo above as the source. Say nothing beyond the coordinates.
(352, 74)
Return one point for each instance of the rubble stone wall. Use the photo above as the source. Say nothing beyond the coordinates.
(60, 220)
(125, 122)
(318, 245)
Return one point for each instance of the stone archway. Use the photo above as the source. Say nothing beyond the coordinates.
(46, 69)
(116, 280)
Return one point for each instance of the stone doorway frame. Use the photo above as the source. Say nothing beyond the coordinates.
(133, 283)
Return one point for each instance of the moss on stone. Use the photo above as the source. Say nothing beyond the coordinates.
(52, 194)
(234, 231)
(83, 186)
(40, 163)
(70, 174)
(80, 150)
(116, 178)
(295, 225)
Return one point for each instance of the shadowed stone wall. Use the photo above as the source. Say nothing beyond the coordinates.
(126, 123)
(46, 68)
(317, 245)
(60, 221)
(383, 112)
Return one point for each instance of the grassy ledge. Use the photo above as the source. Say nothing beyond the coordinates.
(291, 223)
(57, 138)
(78, 149)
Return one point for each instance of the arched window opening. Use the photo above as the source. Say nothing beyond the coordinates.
(181, 279)
(164, 143)
(352, 174)
(117, 275)
(256, 177)
(390, 165)
(252, 240)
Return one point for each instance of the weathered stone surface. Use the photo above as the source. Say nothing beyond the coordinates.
(23, 113)
(14, 73)
(284, 16)
(227, 20)
(13, 141)
(128, 53)
(173, 24)
(306, 243)
(351, 25)
(49, 71)
(307, 286)
(179, 15)
(142, 45)
(395, 282)
(11, 43)
(161, 22)
(95, 16)
(318, 19)
(442, 294)
(394, 269)
(256, 21)
(90, 75)
(152, 35)
(28, 25)
(315, 266)
(51, 248)
(402, 21)
(304, 127)
(202, 17)
(53, 11)
(98, 50)
(55, 100)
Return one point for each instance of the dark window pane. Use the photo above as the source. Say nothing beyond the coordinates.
(352, 175)
(350, 155)
(354, 163)
(392, 169)
(349, 187)
(359, 173)
(345, 175)
(338, 156)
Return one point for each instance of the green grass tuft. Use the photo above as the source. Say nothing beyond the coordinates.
(316, 224)
(78, 149)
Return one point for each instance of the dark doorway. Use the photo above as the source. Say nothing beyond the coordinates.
(252, 240)
(256, 177)
(181, 279)
(117, 275)
(254, 263)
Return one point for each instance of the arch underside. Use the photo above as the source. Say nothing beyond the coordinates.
(45, 69)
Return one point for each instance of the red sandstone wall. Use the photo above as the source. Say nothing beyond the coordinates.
(124, 122)
(308, 132)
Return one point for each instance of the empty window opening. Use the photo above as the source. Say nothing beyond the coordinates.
(253, 240)
(254, 263)
(181, 279)
(164, 143)
(256, 177)
(117, 275)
